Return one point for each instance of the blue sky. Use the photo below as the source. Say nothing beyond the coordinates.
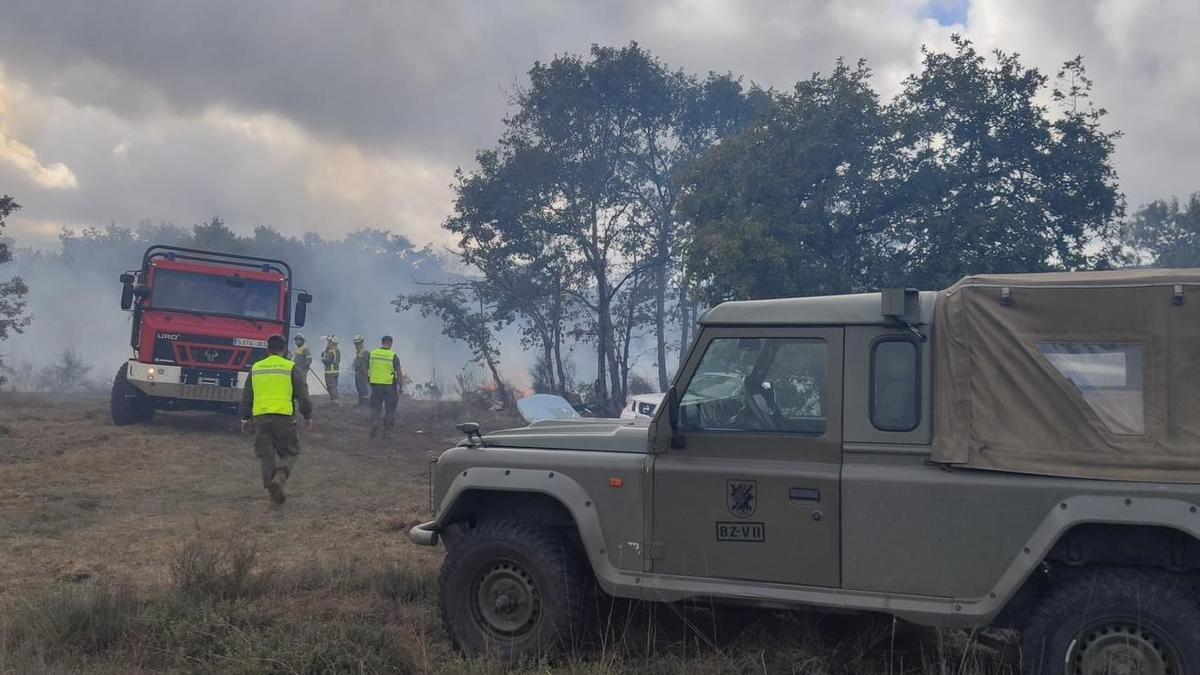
(948, 12)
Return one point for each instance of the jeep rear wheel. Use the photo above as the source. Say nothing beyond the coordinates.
(1115, 621)
(127, 403)
(515, 590)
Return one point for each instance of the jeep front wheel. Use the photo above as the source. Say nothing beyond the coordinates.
(515, 590)
(1115, 621)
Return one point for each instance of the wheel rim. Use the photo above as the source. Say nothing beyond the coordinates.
(505, 599)
(1123, 647)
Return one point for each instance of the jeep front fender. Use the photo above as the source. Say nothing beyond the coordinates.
(554, 484)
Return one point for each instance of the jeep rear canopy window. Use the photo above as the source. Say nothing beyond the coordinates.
(1092, 374)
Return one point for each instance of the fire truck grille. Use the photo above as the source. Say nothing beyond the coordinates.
(208, 356)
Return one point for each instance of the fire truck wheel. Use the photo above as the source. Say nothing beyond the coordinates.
(127, 403)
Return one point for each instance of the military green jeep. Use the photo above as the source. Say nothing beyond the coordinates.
(1013, 451)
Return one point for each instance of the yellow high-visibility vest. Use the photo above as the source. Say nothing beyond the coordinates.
(271, 379)
(383, 366)
(332, 367)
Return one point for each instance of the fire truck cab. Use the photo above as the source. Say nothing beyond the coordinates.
(200, 320)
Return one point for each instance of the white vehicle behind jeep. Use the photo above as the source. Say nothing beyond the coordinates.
(641, 406)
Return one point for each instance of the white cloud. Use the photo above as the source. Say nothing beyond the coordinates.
(54, 176)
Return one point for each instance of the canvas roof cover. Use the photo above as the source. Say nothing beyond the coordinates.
(1082, 374)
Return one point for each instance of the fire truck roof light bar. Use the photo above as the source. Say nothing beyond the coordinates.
(231, 259)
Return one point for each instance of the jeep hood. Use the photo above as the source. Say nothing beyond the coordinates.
(604, 435)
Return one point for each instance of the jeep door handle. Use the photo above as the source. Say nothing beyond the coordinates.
(804, 495)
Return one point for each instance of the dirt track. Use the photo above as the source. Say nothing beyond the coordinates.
(79, 496)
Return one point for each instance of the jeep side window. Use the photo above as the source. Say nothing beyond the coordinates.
(895, 385)
(1108, 376)
(758, 384)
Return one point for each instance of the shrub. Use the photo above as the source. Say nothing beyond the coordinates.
(77, 619)
(200, 569)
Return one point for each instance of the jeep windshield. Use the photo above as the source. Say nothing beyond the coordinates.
(225, 294)
(758, 384)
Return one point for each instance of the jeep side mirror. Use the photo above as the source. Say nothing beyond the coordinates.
(301, 313)
(471, 431)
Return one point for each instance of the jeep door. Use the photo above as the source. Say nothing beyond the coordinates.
(753, 493)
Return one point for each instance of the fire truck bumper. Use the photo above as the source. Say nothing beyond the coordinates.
(170, 382)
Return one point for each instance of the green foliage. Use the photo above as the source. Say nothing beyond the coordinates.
(577, 199)
(1165, 233)
(12, 292)
(989, 179)
(793, 206)
(964, 172)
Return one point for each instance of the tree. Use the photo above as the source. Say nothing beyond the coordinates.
(964, 172)
(456, 308)
(12, 292)
(586, 174)
(215, 235)
(793, 205)
(1165, 234)
(677, 118)
(987, 179)
(558, 185)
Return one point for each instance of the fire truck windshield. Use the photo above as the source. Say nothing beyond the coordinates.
(215, 294)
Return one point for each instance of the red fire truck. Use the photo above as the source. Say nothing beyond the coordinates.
(200, 320)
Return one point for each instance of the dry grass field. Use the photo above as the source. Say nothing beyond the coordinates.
(153, 549)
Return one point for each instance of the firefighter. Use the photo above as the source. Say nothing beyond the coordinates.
(332, 358)
(303, 358)
(362, 376)
(385, 376)
(269, 403)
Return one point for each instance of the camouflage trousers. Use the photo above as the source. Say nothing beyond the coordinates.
(276, 445)
(363, 385)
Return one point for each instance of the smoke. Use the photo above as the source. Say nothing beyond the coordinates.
(74, 296)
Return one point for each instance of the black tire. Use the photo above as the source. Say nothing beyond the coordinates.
(1114, 620)
(127, 403)
(539, 575)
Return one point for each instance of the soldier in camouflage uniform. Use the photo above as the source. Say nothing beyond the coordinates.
(362, 363)
(303, 358)
(273, 391)
(332, 359)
